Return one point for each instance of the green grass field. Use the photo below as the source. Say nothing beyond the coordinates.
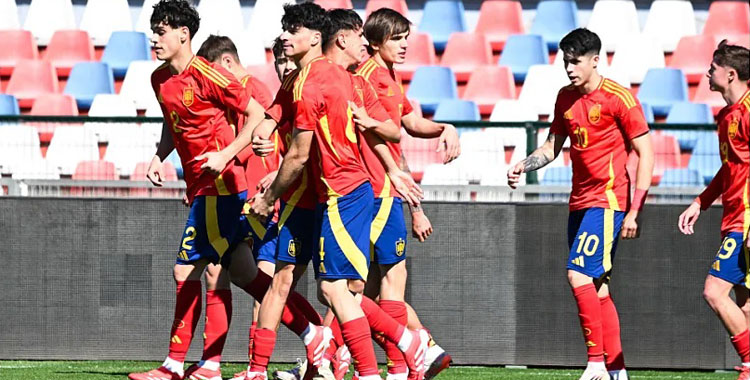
(118, 370)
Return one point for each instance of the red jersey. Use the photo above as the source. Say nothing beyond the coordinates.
(194, 104)
(390, 93)
(600, 125)
(731, 182)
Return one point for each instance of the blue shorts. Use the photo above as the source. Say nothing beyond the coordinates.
(214, 228)
(731, 263)
(263, 236)
(388, 231)
(297, 238)
(343, 224)
(592, 238)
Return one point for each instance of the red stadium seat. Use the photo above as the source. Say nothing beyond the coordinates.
(141, 168)
(333, 4)
(31, 79)
(727, 19)
(693, 55)
(739, 39)
(666, 156)
(267, 74)
(464, 52)
(14, 46)
(397, 5)
(420, 153)
(488, 84)
(52, 105)
(704, 95)
(498, 20)
(95, 170)
(421, 52)
(68, 47)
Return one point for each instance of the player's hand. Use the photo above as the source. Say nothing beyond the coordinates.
(185, 201)
(266, 181)
(155, 174)
(215, 162)
(262, 147)
(260, 208)
(630, 226)
(405, 185)
(688, 218)
(421, 228)
(361, 118)
(449, 142)
(514, 175)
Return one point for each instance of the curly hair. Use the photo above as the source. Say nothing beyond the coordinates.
(308, 15)
(734, 56)
(176, 14)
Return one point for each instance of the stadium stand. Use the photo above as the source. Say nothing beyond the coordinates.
(558, 176)
(250, 49)
(439, 174)
(109, 105)
(663, 87)
(728, 19)
(52, 105)
(103, 17)
(488, 84)
(30, 79)
(143, 22)
(264, 21)
(441, 18)
(9, 105)
(421, 52)
(648, 112)
(513, 110)
(267, 74)
(219, 17)
(666, 154)
(553, 20)
(635, 55)
(15, 45)
(522, 51)
(705, 157)
(457, 110)
(668, 21)
(69, 146)
(419, 153)
(464, 52)
(18, 144)
(87, 79)
(67, 48)
(129, 145)
(9, 15)
(95, 170)
(430, 85)
(37, 168)
(333, 4)
(681, 177)
(693, 56)
(397, 5)
(498, 20)
(137, 84)
(174, 159)
(478, 149)
(141, 169)
(613, 21)
(123, 48)
(541, 87)
(703, 94)
(44, 17)
(689, 113)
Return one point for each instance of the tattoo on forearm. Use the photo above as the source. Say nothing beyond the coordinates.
(534, 162)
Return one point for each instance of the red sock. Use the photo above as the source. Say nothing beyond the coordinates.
(291, 317)
(218, 316)
(381, 322)
(187, 311)
(397, 310)
(741, 343)
(305, 307)
(258, 287)
(251, 334)
(590, 314)
(263, 344)
(357, 337)
(611, 334)
(338, 339)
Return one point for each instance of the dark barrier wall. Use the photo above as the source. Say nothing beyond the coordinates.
(91, 279)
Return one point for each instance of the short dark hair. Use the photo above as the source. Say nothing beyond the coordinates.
(214, 46)
(734, 56)
(383, 24)
(580, 42)
(340, 19)
(176, 14)
(277, 48)
(308, 15)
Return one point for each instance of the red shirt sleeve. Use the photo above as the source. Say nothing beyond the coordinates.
(372, 104)
(225, 89)
(308, 108)
(260, 92)
(632, 119)
(558, 126)
(406, 107)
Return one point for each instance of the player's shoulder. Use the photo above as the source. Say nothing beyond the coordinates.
(618, 93)
(207, 71)
(370, 70)
(744, 102)
(314, 73)
(161, 72)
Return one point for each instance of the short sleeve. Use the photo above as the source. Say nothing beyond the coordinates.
(308, 107)
(406, 107)
(260, 92)
(223, 88)
(280, 108)
(631, 118)
(558, 125)
(372, 104)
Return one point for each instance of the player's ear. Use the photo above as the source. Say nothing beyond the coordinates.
(184, 34)
(341, 40)
(227, 60)
(315, 38)
(595, 60)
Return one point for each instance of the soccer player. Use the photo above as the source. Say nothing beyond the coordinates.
(386, 31)
(729, 75)
(603, 121)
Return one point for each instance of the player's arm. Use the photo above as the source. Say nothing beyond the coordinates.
(643, 147)
(418, 126)
(400, 180)
(537, 159)
(387, 129)
(689, 217)
(421, 227)
(261, 138)
(166, 146)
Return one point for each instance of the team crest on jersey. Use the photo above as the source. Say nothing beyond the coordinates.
(188, 96)
(733, 127)
(390, 91)
(400, 247)
(294, 246)
(595, 114)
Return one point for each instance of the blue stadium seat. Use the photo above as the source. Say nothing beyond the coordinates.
(553, 20)
(648, 112)
(521, 52)
(440, 18)
(681, 177)
(87, 79)
(558, 176)
(662, 88)
(457, 110)
(9, 105)
(174, 159)
(123, 48)
(689, 113)
(705, 158)
(432, 84)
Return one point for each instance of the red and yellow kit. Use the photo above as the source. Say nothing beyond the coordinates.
(390, 93)
(320, 97)
(731, 182)
(194, 103)
(600, 125)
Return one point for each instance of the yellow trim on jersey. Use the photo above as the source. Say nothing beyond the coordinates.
(344, 240)
(301, 78)
(331, 193)
(211, 73)
(745, 101)
(327, 135)
(611, 197)
(746, 205)
(368, 68)
(378, 224)
(217, 241)
(296, 195)
(609, 238)
(386, 187)
(221, 187)
(290, 79)
(620, 92)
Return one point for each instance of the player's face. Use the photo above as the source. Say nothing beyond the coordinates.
(355, 45)
(394, 48)
(284, 66)
(167, 41)
(297, 43)
(718, 77)
(580, 69)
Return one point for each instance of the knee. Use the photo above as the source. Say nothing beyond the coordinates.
(324, 292)
(356, 286)
(283, 280)
(397, 273)
(710, 294)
